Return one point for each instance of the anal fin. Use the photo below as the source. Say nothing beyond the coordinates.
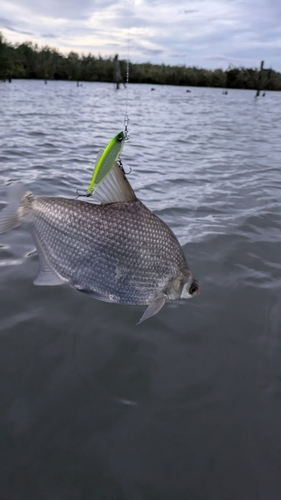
(46, 275)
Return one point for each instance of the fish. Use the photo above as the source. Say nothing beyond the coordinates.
(113, 248)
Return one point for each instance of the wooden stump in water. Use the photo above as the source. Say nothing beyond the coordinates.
(259, 79)
(117, 73)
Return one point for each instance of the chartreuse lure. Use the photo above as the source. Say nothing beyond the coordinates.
(106, 161)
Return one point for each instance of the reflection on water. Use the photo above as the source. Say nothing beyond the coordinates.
(187, 405)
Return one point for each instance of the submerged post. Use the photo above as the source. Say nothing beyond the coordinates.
(259, 79)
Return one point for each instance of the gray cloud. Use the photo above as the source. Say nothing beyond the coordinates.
(178, 56)
(49, 35)
(207, 33)
(19, 31)
(4, 22)
(152, 52)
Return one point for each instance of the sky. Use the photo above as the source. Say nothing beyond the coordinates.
(204, 33)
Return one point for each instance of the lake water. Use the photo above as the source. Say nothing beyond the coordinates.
(186, 406)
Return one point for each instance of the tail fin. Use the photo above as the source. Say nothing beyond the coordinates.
(9, 217)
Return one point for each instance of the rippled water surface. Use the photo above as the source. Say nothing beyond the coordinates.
(186, 406)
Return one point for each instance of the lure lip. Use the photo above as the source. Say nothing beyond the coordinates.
(109, 154)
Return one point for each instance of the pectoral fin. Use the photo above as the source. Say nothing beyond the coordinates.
(154, 307)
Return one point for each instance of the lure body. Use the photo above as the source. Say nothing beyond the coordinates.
(106, 161)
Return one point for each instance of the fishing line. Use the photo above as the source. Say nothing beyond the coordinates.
(126, 118)
(111, 155)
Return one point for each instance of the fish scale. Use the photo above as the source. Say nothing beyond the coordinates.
(125, 235)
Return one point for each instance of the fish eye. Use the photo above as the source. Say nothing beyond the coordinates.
(193, 288)
(120, 136)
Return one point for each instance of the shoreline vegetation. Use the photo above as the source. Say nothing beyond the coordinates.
(27, 60)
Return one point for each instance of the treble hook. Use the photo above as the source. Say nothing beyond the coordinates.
(120, 164)
(81, 194)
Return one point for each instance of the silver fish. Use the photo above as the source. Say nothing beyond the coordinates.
(116, 250)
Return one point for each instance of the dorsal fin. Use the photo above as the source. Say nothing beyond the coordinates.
(114, 188)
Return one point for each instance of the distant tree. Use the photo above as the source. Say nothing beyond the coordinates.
(6, 59)
(27, 60)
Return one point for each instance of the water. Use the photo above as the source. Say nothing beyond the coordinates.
(187, 405)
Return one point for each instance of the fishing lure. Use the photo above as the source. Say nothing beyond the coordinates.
(106, 161)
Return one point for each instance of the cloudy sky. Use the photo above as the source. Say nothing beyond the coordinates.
(204, 33)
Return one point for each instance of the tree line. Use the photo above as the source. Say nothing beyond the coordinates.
(27, 60)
